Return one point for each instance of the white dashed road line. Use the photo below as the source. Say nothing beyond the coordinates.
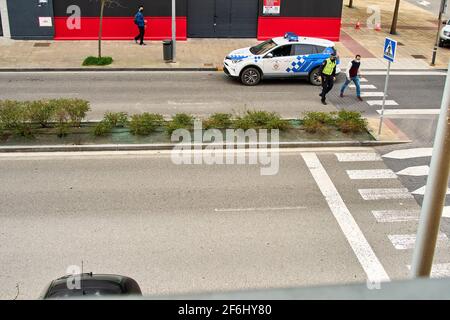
(446, 212)
(394, 112)
(439, 270)
(388, 216)
(363, 86)
(380, 103)
(385, 194)
(361, 247)
(371, 174)
(259, 209)
(358, 157)
(372, 94)
(407, 241)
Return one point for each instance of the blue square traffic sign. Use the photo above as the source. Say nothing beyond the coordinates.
(390, 48)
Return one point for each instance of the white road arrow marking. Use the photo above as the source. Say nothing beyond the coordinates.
(409, 153)
(357, 157)
(418, 171)
(446, 212)
(363, 86)
(424, 3)
(396, 215)
(372, 94)
(380, 103)
(385, 194)
(421, 191)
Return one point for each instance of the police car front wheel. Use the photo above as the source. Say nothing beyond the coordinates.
(251, 76)
(314, 77)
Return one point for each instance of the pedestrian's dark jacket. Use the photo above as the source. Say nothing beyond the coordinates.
(139, 19)
(323, 66)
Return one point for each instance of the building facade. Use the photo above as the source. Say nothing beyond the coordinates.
(261, 19)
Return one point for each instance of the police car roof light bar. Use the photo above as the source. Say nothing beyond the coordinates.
(291, 36)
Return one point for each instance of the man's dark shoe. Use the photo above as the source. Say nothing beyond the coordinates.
(143, 44)
(360, 99)
(341, 95)
(324, 102)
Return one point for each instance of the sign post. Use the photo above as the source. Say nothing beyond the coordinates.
(390, 49)
(174, 31)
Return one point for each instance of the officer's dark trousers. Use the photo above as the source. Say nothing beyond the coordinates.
(141, 34)
(327, 85)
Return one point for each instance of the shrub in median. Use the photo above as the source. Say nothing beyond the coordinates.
(145, 123)
(180, 121)
(96, 61)
(261, 120)
(218, 121)
(103, 128)
(116, 119)
(318, 122)
(15, 117)
(42, 112)
(351, 122)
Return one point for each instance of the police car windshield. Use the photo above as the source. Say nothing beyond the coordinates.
(263, 47)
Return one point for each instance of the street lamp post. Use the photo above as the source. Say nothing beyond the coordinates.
(174, 31)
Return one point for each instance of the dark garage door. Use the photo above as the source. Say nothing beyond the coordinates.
(222, 18)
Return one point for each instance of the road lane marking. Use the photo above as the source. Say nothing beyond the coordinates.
(358, 157)
(372, 94)
(258, 209)
(418, 171)
(380, 103)
(371, 174)
(367, 258)
(446, 212)
(409, 153)
(438, 270)
(385, 194)
(388, 216)
(394, 112)
(363, 86)
(363, 80)
(421, 191)
(408, 241)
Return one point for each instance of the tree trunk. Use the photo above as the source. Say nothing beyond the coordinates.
(395, 18)
(350, 3)
(100, 29)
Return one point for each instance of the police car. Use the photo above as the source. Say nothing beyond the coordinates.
(288, 56)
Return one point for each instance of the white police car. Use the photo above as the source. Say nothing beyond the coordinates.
(288, 56)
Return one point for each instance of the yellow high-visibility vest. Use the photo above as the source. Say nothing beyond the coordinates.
(329, 67)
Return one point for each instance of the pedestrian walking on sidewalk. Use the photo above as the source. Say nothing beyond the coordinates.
(139, 20)
(328, 75)
(354, 75)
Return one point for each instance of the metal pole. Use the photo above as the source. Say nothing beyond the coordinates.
(174, 30)
(438, 36)
(436, 190)
(384, 97)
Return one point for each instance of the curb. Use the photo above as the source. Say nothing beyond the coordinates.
(105, 69)
(163, 147)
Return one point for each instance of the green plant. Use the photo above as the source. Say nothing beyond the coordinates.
(15, 116)
(145, 123)
(180, 121)
(318, 122)
(41, 112)
(351, 122)
(96, 61)
(62, 122)
(261, 120)
(116, 119)
(218, 121)
(103, 128)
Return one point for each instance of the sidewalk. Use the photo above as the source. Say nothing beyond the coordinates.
(417, 32)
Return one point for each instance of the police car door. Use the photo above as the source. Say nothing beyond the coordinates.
(305, 59)
(277, 61)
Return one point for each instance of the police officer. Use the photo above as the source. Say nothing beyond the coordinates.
(328, 75)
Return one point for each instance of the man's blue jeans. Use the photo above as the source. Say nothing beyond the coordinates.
(356, 81)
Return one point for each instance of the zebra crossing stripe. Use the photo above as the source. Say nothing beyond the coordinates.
(385, 194)
(409, 153)
(439, 270)
(418, 171)
(380, 103)
(371, 174)
(363, 86)
(366, 256)
(421, 191)
(358, 157)
(363, 80)
(384, 216)
(446, 212)
(394, 112)
(407, 241)
(372, 94)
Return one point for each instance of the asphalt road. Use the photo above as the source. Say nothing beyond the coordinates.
(167, 93)
(178, 229)
(430, 5)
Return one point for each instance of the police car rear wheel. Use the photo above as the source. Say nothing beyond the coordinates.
(251, 77)
(314, 77)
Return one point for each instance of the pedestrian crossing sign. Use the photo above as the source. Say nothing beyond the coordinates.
(390, 48)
